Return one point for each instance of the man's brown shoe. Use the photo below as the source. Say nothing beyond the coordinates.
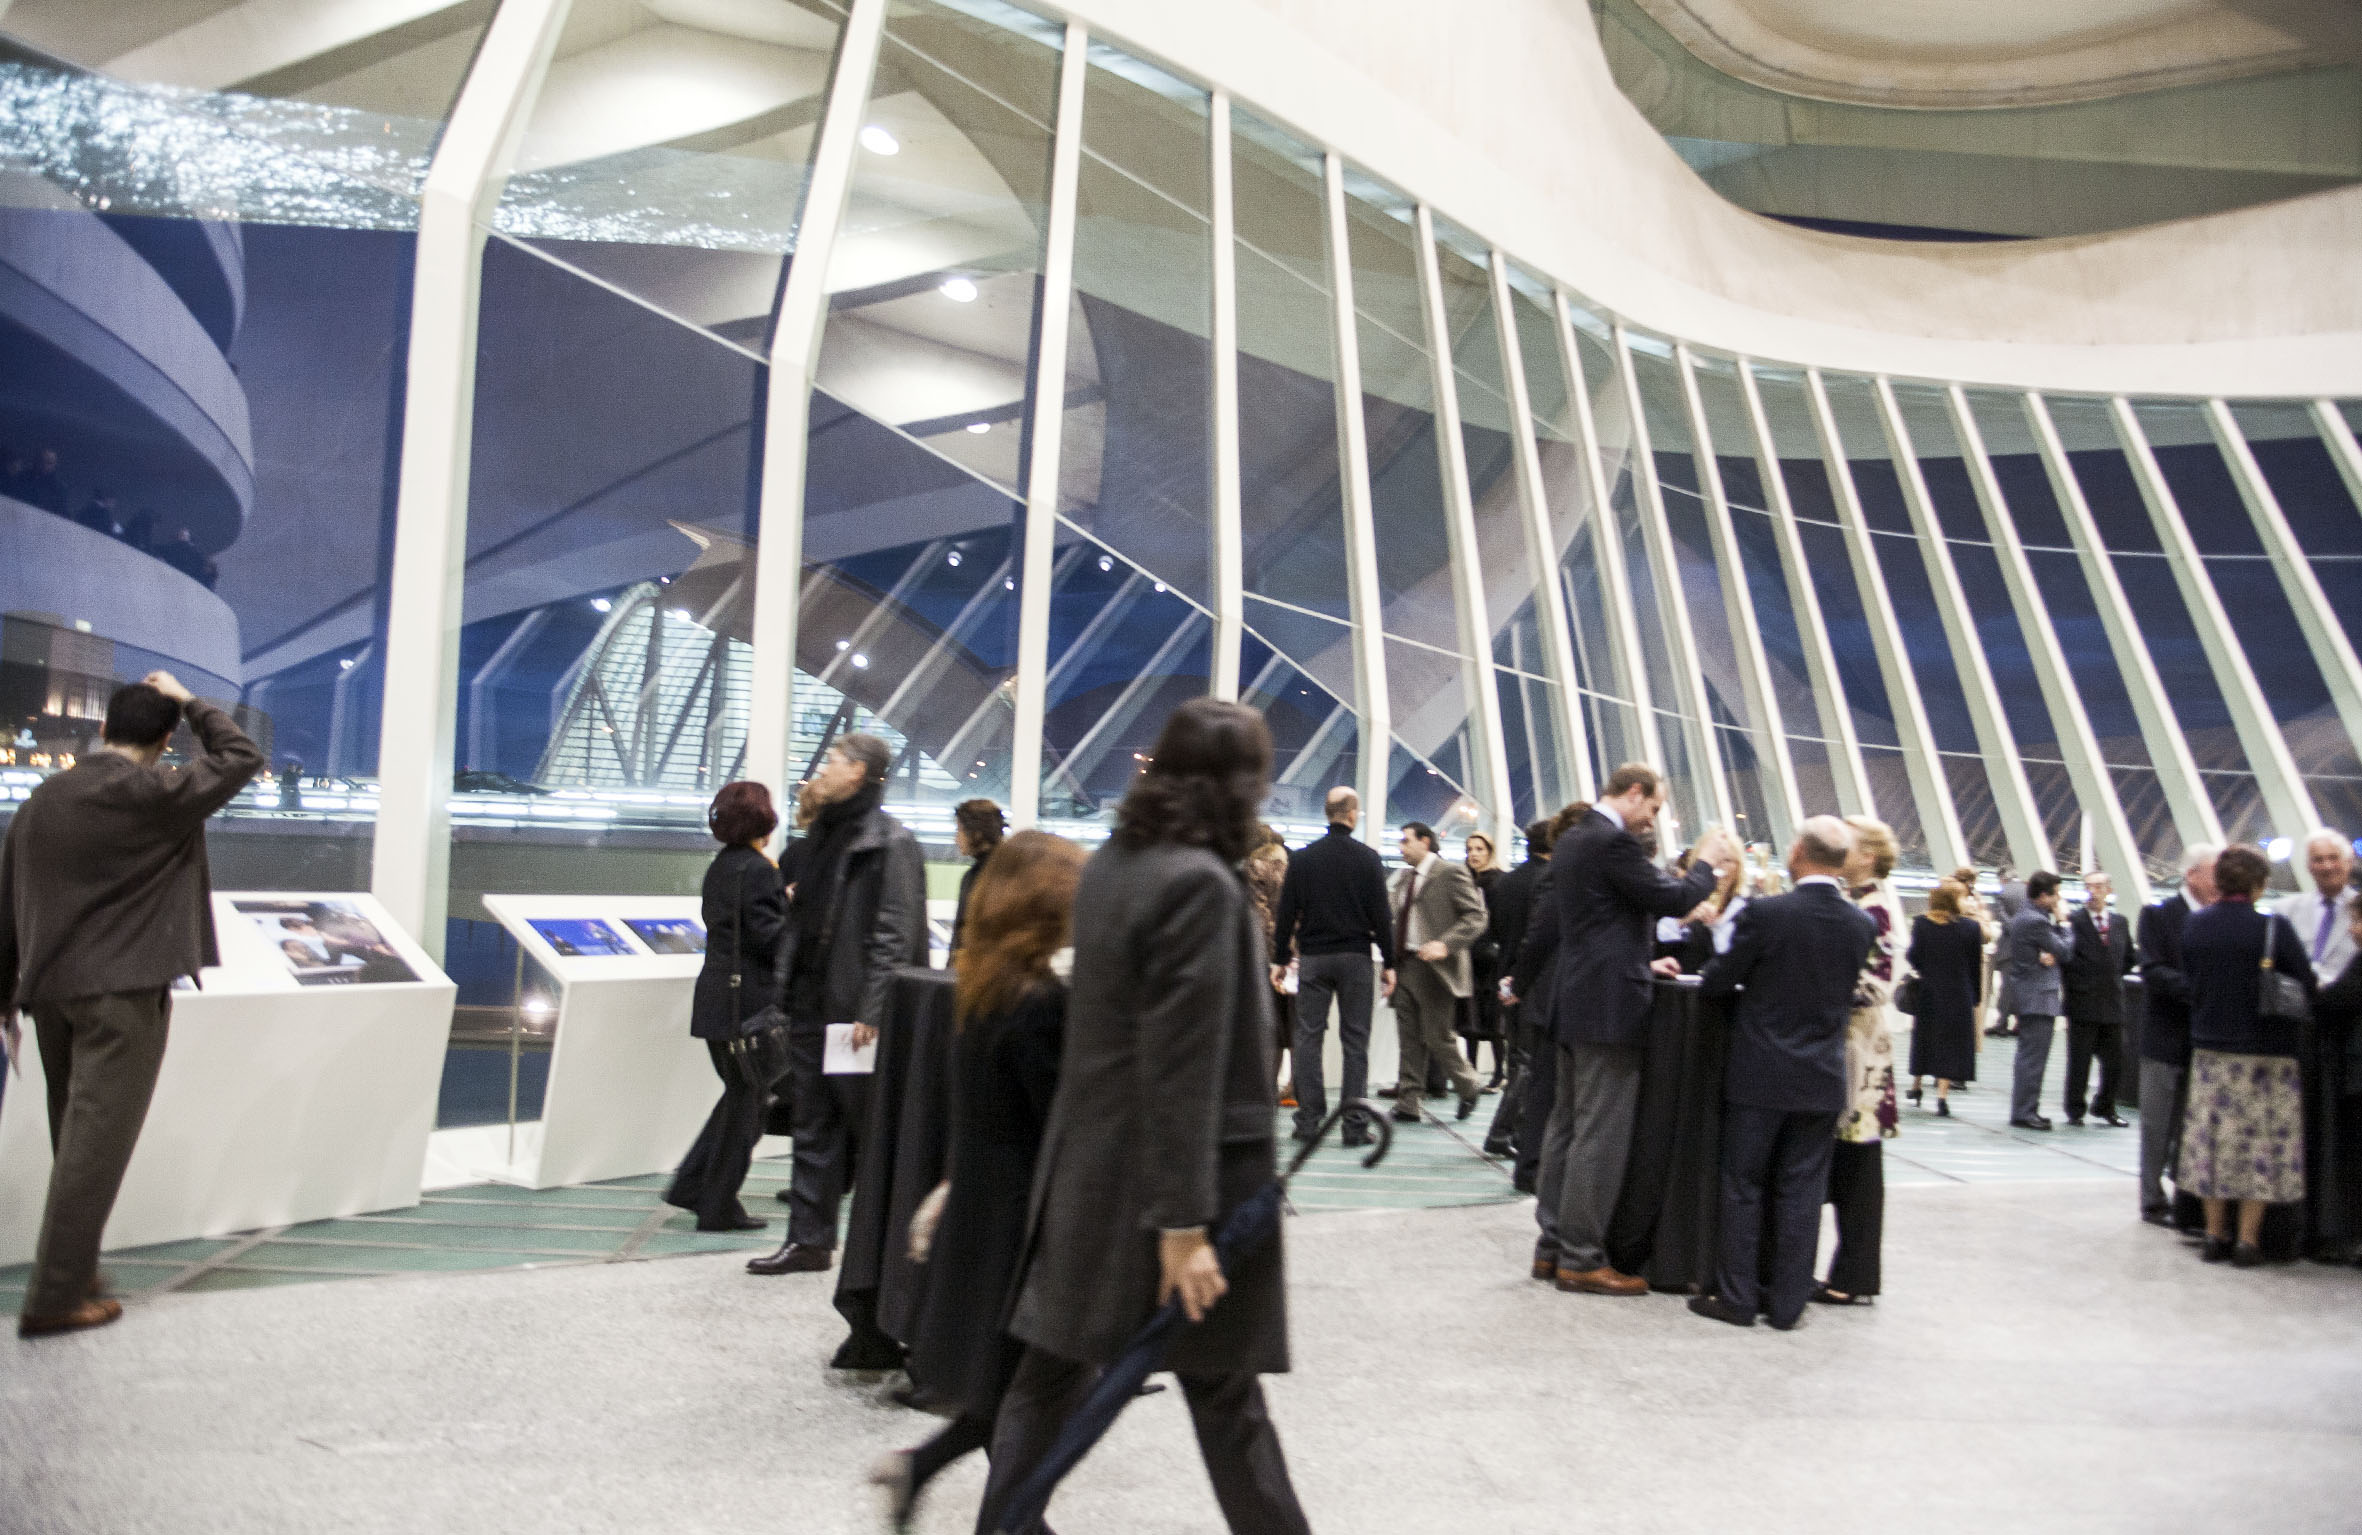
(1603, 1280)
(91, 1313)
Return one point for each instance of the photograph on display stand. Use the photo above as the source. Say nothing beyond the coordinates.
(669, 935)
(580, 937)
(327, 943)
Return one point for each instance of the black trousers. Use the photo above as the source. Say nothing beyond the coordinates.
(2084, 1040)
(709, 1177)
(1857, 1190)
(101, 1056)
(1775, 1175)
(827, 1130)
(1536, 1102)
(1234, 1435)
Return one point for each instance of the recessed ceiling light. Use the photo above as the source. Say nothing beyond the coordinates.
(1107, 562)
(860, 660)
(601, 605)
(959, 290)
(880, 142)
(979, 428)
(952, 559)
(844, 644)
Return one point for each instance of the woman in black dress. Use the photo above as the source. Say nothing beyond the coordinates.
(978, 825)
(970, 1232)
(1948, 952)
(745, 908)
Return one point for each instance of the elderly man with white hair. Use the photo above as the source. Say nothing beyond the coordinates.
(2323, 915)
(2323, 918)
(2165, 1023)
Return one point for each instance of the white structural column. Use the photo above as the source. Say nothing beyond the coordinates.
(787, 406)
(1229, 537)
(1846, 768)
(1044, 434)
(2095, 788)
(2338, 434)
(1656, 535)
(1607, 541)
(1366, 599)
(2286, 799)
(2005, 771)
(2324, 635)
(2192, 808)
(410, 868)
(1488, 775)
(1558, 642)
(1777, 765)
(1939, 818)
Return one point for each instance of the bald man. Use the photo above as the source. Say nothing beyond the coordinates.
(1332, 913)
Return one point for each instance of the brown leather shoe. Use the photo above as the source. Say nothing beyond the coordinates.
(1545, 1268)
(1603, 1280)
(91, 1313)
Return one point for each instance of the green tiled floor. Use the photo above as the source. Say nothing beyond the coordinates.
(1434, 1163)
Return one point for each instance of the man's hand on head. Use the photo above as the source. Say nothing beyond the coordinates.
(168, 685)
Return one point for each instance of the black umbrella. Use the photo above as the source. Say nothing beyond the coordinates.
(1245, 1231)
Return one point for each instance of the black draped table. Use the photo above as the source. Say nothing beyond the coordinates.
(1665, 1222)
(904, 1141)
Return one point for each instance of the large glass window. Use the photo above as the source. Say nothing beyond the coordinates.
(202, 353)
(1297, 664)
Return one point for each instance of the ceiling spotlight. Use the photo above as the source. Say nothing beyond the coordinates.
(345, 665)
(860, 660)
(682, 614)
(844, 644)
(601, 605)
(880, 142)
(1008, 583)
(952, 559)
(1160, 588)
(959, 290)
(2278, 849)
(1107, 562)
(979, 427)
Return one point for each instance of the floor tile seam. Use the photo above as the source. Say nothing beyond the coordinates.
(638, 1238)
(429, 1247)
(2014, 1137)
(239, 1245)
(395, 1221)
(1497, 1164)
(519, 1204)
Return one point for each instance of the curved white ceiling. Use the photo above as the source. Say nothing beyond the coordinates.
(1994, 53)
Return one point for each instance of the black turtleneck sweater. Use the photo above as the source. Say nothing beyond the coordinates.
(1333, 901)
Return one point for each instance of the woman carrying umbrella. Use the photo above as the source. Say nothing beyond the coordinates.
(1011, 1018)
(1165, 1119)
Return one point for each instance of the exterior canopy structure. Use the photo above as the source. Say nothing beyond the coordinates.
(1002, 377)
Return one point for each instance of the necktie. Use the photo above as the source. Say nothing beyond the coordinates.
(1402, 918)
(2321, 933)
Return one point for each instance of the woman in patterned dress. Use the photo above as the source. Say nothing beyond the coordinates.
(1857, 1171)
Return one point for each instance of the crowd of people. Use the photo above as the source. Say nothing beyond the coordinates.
(35, 481)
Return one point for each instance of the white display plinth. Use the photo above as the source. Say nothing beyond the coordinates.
(628, 1088)
(278, 1101)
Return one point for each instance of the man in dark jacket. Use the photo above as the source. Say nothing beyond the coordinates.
(1332, 912)
(1511, 905)
(1608, 897)
(2094, 976)
(2165, 1024)
(1798, 956)
(105, 902)
(859, 913)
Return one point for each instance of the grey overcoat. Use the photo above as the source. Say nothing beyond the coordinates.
(1166, 1114)
(2030, 988)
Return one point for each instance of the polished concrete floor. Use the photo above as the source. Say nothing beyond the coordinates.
(2040, 1361)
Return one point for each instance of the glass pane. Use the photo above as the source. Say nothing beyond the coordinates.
(1136, 463)
(209, 241)
(1314, 732)
(2314, 497)
(667, 157)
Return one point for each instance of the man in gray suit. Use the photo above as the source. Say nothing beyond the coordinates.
(1438, 915)
(2033, 946)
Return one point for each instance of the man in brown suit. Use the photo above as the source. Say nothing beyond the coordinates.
(104, 903)
(1438, 916)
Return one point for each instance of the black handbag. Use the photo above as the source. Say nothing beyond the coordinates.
(758, 1045)
(1907, 995)
(2280, 998)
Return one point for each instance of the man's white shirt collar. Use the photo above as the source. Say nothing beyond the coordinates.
(1612, 814)
(1821, 879)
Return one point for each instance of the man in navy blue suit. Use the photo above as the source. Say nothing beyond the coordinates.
(1798, 957)
(1606, 897)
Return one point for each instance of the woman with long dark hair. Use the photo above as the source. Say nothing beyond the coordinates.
(1011, 1017)
(1165, 1120)
(744, 910)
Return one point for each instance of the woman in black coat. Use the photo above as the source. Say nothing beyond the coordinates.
(971, 1231)
(1948, 953)
(745, 907)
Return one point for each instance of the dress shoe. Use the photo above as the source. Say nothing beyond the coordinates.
(2216, 1250)
(1776, 1325)
(1604, 1280)
(1914, 1097)
(1303, 1135)
(95, 1312)
(740, 1222)
(2075, 1120)
(1715, 1308)
(2246, 1256)
(2035, 1123)
(2113, 1120)
(1411, 1118)
(785, 1196)
(2158, 1215)
(1545, 1268)
(1468, 1104)
(1824, 1296)
(793, 1258)
(1521, 1183)
(1498, 1148)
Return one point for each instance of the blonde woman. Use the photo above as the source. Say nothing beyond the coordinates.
(1857, 1171)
